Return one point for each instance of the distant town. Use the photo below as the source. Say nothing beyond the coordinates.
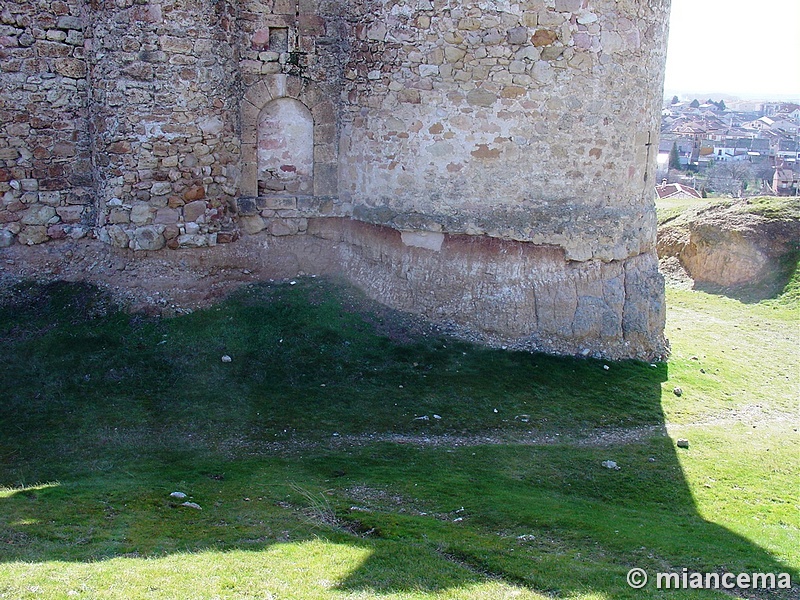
(733, 149)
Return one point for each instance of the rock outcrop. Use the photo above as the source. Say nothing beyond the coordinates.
(734, 244)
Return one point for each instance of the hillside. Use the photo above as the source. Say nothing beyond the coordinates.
(746, 248)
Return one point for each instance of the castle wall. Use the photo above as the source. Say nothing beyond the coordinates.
(45, 152)
(484, 163)
(164, 102)
(529, 120)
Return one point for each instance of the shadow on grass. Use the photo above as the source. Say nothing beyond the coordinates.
(315, 429)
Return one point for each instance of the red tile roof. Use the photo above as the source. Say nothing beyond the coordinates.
(676, 190)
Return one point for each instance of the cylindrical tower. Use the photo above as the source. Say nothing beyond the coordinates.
(533, 121)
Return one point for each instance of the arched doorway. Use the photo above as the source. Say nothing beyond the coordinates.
(285, 149)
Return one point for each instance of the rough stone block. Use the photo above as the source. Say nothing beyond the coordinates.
(481, 97)
(141, 214)
(282, 227)
(277, 202)
(120, 147)
(167, 216)
(518, 35)
(56, 232)
(9, 217)
(326, 182)
(52, 198)
(68, 22)
(544, 37)
(6, 238)
(246, 206)
(39, 215)
(71, 67)
(119, 216)
(117, 236)
(192, 241)
(252, 224)
(469, 24)
(194, 210)
(54, 35)
(324, 114)
(148, 238)
(195, 192)
(70, 214)
(32, 235)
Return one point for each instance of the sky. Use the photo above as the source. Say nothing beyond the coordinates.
(745, 48)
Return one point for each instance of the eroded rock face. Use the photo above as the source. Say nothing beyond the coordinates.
(498, 292)
(727, 247)
(506, 292)
(724, 257)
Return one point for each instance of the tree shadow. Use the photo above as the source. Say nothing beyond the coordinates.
(325, 440)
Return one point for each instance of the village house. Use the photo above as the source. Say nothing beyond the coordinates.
(760, 137)
(674, 191)
(786, 181)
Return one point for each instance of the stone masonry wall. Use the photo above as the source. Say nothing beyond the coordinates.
(529, 120)
(165, 98)
(484, 163)
(45, 154)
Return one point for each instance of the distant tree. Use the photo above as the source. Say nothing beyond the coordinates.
(675, 100)
(674, 157)
(721, 106)
(764, 173)
(695, 103)
(730, 177)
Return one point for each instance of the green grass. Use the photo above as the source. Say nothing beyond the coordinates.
(779, 208)
(784, 208)
(318, 479)
(669, 209)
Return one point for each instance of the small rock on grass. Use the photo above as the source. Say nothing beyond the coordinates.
(226, 358)
(682, 443)
(678, 392)
(191, 505)
(178, 495)
(610, 464)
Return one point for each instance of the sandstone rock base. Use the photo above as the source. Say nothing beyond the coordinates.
(723, 246)
(492, 291)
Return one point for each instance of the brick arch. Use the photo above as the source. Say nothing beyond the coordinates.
(273, 87)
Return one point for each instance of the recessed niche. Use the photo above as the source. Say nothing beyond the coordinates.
(285, 148)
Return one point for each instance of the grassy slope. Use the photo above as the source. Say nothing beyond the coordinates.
(115, 412)
(784, 208)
